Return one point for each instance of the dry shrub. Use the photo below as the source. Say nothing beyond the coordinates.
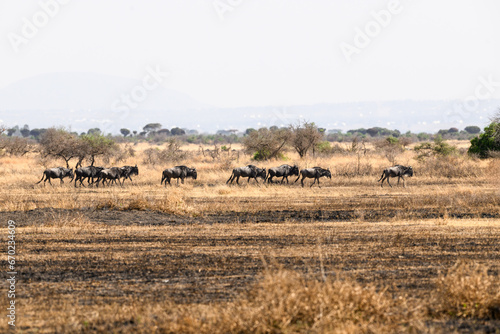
(468, 291)
(171, 154)
(353, 169)
(138, 204)
(107, 204)
(494, 169)
(16, 146)
(449, 166)
(120, 154)
(64, 219)
(174, 202)
(285, 302)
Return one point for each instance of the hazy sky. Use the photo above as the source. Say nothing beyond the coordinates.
(262, 52)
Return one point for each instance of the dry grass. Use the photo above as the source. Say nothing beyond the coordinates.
(439, 184)
(288, 277)
(205, 257)
(467, 290)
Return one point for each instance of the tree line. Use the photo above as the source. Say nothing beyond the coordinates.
(156, 132)
(262, 144)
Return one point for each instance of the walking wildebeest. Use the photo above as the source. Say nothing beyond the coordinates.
(398, 171)
(89, 172)
(178, 172)
(316, 173)
(56, 173)
(250, 171)
(129, 170)
(282, 171)
(111, 174)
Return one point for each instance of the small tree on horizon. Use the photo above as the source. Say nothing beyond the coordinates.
(125, 132)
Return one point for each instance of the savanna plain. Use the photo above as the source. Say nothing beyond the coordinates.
(207, 257)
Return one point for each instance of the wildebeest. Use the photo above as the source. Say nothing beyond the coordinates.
(398, 171)
(89, 172)
(178, 172)
(282, 171)
(315, 172)
(56, 173)
(250, 171)
(129, 170)
(111, 174)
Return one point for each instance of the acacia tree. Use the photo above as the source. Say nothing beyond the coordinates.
(125, 132)
(94, 145)
(304, 137)
(59, 143)
(266, 144)
(152, 127)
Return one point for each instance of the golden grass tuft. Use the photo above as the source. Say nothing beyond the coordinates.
(467, 291)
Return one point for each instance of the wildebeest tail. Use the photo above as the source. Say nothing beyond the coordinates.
(383, 173)
(41, 179)
(298, 177)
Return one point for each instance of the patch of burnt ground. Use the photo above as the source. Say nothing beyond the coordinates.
(150, 217)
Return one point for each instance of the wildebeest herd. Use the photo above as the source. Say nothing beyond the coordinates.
(96, 175)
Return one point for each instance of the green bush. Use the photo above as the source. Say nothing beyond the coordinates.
(486, 142)
(438, 148)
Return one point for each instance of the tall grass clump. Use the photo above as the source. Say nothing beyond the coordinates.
(450, 166)
(467, 291)
(285, 301)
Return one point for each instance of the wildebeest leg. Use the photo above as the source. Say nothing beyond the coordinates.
(237, 180)
(283, 180)
(314, 182)
(48, 178)
(230, 178)
(383, 179)
(387, 178)
(404, 183)
(167, 179)
(61, 179)
(302, 181)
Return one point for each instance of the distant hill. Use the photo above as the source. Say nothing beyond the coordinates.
(87, 100)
